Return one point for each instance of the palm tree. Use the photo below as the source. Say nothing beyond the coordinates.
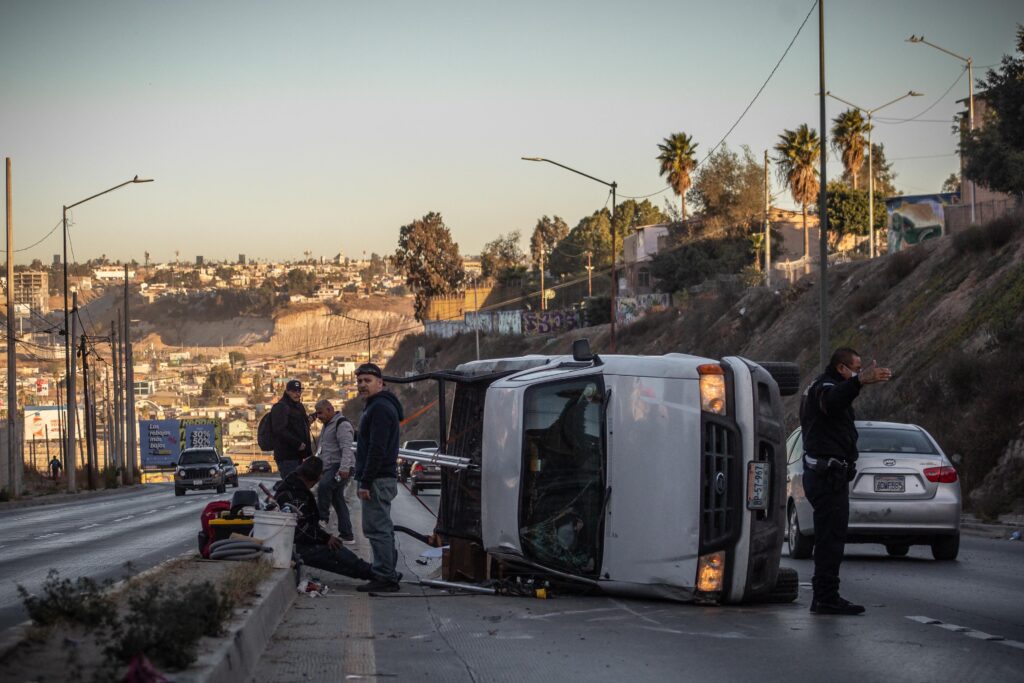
(848, 141)
(798, 152)
(678, 160)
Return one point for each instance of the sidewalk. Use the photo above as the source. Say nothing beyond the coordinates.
(331, 638)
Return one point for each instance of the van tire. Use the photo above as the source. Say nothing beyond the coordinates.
(787, 587)
(178, 491)
(222, 488)
(897, 549)
(786, 375)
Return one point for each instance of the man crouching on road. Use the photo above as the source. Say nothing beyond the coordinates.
(830, 457)
(315, 546)
(376, 463)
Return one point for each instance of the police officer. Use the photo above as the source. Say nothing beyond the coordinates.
(830, 457)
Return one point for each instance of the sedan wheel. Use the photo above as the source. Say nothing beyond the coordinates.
(897, 549)
(947, 547)
(800, 546)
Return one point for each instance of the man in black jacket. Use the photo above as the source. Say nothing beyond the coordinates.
(289, 424)
(830, 456)
(316, 547)
(376, 462)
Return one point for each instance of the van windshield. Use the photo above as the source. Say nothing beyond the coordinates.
(563, 475)
(199, 458)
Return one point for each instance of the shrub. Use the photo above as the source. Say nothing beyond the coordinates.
(166, 623)
(993, 235)
(83, 601)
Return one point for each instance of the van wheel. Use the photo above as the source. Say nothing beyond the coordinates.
(897, 549)
(800, 546)
(179, 491)
(222, 488)
(787, 587)
(947, 547)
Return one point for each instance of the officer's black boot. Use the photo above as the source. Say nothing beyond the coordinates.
(835, 605)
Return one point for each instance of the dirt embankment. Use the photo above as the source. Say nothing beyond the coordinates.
(947, 316)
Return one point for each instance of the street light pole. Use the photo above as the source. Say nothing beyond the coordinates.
(871, 174)
(614, 186)
(970, 104)
(70, 453)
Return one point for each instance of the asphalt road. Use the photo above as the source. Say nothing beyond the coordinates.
(926, 621)
(95, 538)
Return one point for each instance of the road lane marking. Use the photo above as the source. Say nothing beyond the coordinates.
(123, 519)
(569, 613)
(149, 513)
(88, 526)
(55, 533)
(969, 632)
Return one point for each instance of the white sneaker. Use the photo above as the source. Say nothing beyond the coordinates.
(349, 542)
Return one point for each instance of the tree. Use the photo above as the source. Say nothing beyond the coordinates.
(236, 358)
(951, 184)
(729, 191)
(848, 131)
(885, 178)
(301, 281)
(376, 269)
(429, 260)
(848, 211)
(546, 235)
(631, 214)
(678, 159)
(593, 234)
(219, 380)
(690, 262)
(798, 153)
(994, 152)
(501, 255)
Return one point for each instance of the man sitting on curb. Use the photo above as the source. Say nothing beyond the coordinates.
(316, 547)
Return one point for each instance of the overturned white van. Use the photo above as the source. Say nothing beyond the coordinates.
(657, 476)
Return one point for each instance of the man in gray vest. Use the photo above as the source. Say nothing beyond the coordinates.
(339, 459)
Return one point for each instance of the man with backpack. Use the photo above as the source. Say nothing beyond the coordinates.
(289, 425)
(336, 450)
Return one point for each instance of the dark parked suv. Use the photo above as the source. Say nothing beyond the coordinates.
(199, 468)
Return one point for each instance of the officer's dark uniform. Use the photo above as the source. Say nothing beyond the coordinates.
(830, 451)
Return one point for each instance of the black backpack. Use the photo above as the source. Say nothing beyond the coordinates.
(265, 433)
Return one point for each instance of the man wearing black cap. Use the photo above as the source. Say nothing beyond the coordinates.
(376, 462)
(290, 426)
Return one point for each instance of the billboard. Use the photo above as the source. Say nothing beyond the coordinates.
(916, 218)
(200, 432)
(44, 422)
(159, 442)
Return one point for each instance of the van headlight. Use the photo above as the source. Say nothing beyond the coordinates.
(212, 471)
(712, 388)
(711, 572)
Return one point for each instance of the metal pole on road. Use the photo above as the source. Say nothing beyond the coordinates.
(823, 331)
(12, 376)
(69, 420)
(129, 370)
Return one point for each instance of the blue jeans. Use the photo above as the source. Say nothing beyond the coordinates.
(379, 530)
(341, 561)
(331, 493)
(286, 467)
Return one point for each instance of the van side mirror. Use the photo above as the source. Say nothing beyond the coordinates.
(581, 350)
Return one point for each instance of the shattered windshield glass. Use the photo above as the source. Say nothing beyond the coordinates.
(563, 475)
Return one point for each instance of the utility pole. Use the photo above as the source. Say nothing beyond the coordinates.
(823, 333)
(69, 420)
(543, 293)
(767, 226)
(90, 454)
(116, 426)
(129, 370)
(476, 316)
(12, 376)
(590, 270)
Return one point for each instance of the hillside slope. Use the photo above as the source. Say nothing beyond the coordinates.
(947, 316)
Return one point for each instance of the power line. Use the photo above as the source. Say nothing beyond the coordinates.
(35, 244)
(751, 104)
(891, 121)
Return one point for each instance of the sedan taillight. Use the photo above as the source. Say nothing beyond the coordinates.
(941, 475)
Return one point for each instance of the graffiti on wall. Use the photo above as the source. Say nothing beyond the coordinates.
(629, 309)
(916, 218)
(548, 322)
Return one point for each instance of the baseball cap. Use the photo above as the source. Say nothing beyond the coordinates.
(369, 369)
(293, 385)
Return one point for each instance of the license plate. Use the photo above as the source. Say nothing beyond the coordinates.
(197, 482)
(757, 485)
(890, 484)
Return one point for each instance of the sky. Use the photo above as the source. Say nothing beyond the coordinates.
(273, 129)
